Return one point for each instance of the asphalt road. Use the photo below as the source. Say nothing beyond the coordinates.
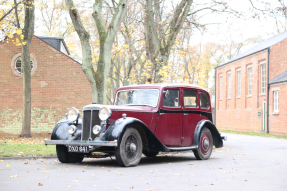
(244, 163)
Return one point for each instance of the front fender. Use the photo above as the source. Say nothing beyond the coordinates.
(217, 140)
(60, 131)
(117, 129)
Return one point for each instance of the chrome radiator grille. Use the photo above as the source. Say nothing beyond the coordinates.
(90, 119)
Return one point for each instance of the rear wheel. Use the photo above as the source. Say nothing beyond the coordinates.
(65, 157)
(129, 151)
(205, 146)
(150, 153)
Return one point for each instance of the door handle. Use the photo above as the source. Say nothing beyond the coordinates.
(185, 114)
(161, 113)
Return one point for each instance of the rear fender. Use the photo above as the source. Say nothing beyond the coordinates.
(117, 129)
(217, 140)
(60, 131)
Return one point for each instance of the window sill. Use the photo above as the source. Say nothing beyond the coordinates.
(275, 113)
(249, 96)
(229, 98)
(262, 94)
(220, 99)
(238, 97)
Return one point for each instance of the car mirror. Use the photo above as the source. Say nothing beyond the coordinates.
(166, 93)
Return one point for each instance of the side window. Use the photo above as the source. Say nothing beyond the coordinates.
(190, 98)
(171, 98)
(204, 102)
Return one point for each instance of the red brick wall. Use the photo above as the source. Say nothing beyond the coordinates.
(278, 120)
(278, 59)
(242, 113)
(58, 83)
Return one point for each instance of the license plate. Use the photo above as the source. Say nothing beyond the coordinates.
(78, 149)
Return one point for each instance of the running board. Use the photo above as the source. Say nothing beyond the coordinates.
(174, 149)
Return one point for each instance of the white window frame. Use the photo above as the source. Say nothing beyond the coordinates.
(276, 101)
(262, 78)
(238, 71)
(229, 85)
(220, 86)
(249, 80)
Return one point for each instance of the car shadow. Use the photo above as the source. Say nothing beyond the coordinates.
(161, 159)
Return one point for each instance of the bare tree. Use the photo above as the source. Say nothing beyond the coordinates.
(107, 36)
(28, 33)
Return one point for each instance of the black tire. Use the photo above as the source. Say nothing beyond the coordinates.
(129, 151)
(150, 153)
(205, 146)
(65, 157)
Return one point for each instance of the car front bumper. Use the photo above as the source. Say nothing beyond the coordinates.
(82, 143)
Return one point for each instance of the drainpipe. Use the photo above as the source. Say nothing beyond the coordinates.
(214, 120)
(268, 88)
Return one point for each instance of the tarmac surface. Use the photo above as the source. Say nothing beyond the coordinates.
(244, 163)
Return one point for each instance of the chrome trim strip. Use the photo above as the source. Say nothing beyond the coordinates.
(182, 148)
(91, 121)
(82, 143)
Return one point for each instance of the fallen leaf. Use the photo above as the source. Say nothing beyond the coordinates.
(69, 186)
(45, 171)
(191, 164)
(116, 188)
(8, 165)
(26, 163)
(14, 176)
(83, 171)
(47, 177)
(132, 187)
(177, 174)
(39, 184)
(245, 180)
(95, 185)
(119, 173)
(75, 180)
(1, 160)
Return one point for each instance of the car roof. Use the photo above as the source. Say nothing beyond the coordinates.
(162, 85)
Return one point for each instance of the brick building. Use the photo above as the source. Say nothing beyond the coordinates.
(57, 83)
(251, 89)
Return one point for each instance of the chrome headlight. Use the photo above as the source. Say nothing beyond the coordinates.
(105, 113)
(73, 114)
(72, 129)
(97, 129)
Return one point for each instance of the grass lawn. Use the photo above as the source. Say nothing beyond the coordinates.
(25, 147)
(253, 133)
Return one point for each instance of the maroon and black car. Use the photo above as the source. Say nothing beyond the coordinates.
(144, 119)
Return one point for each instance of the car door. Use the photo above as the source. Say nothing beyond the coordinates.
(169, 125)
(191, 115)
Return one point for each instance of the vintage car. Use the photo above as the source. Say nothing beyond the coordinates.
(144, 119)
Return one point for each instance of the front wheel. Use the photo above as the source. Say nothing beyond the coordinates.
(129, 151)
(65, 157)
(205, 146)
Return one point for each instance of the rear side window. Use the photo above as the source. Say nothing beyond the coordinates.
(170, 98)
(204, 102)
(190, 98)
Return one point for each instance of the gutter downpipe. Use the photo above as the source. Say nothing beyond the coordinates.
(215, 101)
(268, 89)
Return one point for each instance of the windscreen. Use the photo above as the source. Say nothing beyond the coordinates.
(147, 97)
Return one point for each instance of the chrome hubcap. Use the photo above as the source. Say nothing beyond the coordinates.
(133, 147)
(206, 143)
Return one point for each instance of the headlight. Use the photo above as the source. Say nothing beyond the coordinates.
(105, 113)
(72, 129)
(97, 129)
(73, 114)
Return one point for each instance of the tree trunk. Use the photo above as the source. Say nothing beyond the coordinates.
(26, 64)
(84, 36)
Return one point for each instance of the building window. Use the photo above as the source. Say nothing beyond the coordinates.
(220, 87)
(249, 69)
(238, 82)
(276, 101)
(19, 65)
(263, 78)
(229, 85)
(16, 64)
